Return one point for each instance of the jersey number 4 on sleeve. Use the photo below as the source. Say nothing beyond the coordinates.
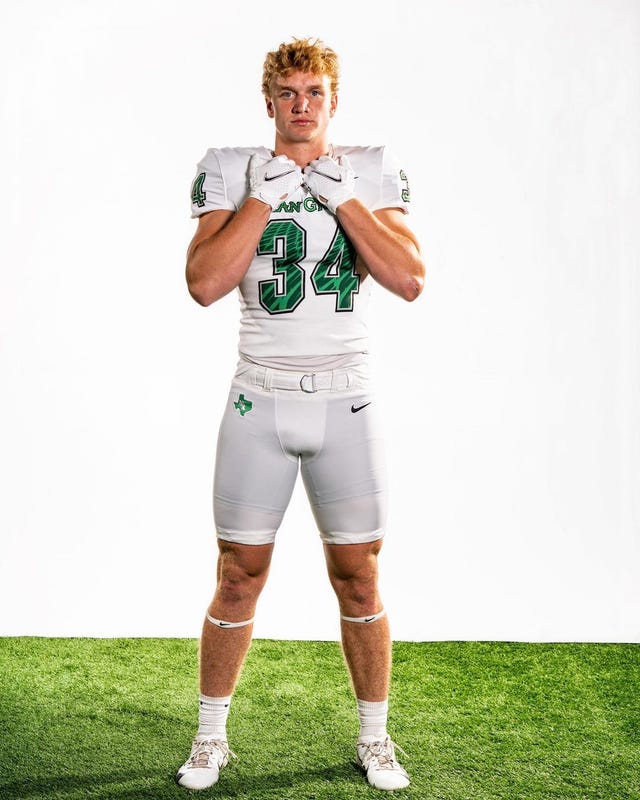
(335, 273)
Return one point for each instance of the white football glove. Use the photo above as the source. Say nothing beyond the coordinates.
(273, 180)
(331, 181)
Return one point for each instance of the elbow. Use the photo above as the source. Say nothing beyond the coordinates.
(200, 288)
(198, 284)
(414, 290)
(200, 293)
(414, 284)
(413, 287)
(201, 299)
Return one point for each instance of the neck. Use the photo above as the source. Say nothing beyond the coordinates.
(303, 153)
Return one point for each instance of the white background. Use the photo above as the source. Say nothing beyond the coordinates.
(510, 389)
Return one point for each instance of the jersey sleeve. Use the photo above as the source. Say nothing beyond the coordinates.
(209, 190)
(394, 189)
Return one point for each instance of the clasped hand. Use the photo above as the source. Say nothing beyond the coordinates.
(330, 181)
(272, 181)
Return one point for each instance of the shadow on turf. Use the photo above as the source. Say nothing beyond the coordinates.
(119, 786)
(19, 790)
(345, 774)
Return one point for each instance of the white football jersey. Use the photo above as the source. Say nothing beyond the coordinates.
(302, 295)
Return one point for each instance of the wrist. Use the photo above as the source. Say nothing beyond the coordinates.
(263, 201)
(254, 201)
(340, 203)
(336, 201)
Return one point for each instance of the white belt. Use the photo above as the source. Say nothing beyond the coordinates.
(331, 381)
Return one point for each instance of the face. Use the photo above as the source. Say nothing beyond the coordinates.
(301, 105)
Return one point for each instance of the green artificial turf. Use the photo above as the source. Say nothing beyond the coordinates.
(113, 718)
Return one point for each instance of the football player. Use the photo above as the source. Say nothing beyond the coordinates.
(302, 231)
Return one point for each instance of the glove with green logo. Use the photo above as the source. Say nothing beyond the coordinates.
(272, 180)
(331, 181)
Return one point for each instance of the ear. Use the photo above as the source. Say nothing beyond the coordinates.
(333, 105)
(269, 104)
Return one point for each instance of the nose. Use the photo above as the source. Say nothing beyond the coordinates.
(301, 104)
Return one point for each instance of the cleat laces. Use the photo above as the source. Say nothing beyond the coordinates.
(381, 753)
(203, 751)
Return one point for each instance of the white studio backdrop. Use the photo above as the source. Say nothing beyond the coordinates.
(510, 389)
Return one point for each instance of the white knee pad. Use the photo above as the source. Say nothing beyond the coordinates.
(366, 620)
(222, 624)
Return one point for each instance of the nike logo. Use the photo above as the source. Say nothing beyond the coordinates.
(279, 175)
(224, 624)
(331, 178)
(369, 619)
(355, 409)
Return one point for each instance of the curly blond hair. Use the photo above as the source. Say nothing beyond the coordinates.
(300, 55)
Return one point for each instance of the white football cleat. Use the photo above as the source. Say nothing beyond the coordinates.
(202, 769)
(378, 760)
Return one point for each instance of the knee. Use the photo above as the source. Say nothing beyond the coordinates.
(357, 590)
(355, 581)
(235, 585)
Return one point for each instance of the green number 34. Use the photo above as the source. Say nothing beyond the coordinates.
(335, 273)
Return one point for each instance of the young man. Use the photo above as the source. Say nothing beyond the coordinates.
(302, 231)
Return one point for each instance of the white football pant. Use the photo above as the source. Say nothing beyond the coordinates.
(326, 425)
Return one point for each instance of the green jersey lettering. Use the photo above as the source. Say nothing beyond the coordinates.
(335, 273)
(285, 240)
(198, 195)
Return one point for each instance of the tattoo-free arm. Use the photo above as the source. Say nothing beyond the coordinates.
(386, 245)
(222, 249)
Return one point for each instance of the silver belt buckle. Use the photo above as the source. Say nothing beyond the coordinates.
(311, 385)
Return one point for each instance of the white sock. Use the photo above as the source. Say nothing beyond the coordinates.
(212, 716)
(373, 719)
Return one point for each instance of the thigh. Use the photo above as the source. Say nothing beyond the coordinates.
(346, 481)
(254, 477)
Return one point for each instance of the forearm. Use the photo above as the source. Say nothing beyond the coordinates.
(217, 262)
(392, 257)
